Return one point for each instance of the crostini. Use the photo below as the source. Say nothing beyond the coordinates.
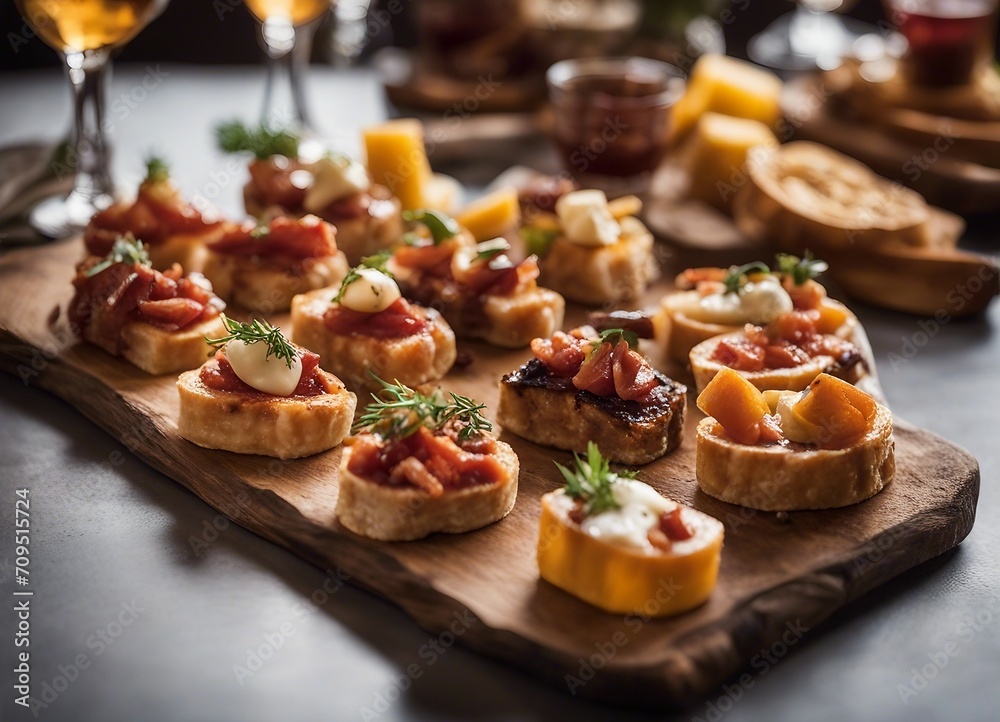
(334, 187)
(592, 251)
(367, 328)
(261, 394)
(261, 268)
(710, 302)
(612, 541)
(156, 321)
(583, 386)
(828, 446)
(172, 230)
(788, 353)
(478, 288)
(421, 464)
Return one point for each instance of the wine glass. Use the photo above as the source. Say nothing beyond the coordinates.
(287, 28)
(810, 37)
(84, 33)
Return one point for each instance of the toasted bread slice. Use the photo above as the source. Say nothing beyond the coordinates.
(378, 228)
(283, 427)
(678, 333)
(513, 321)
(796, 378)
(550, 411)
(791, 477)
(595, 275)
(403, 514)
(412, 360)
(257, 285)
(158, 351)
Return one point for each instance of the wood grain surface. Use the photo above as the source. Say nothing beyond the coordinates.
(778, 576)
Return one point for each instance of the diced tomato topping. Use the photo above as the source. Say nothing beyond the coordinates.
(424, 452)
(295, 238)
(739, 355)
(271, 183)
(633, 377)
(432, 260)
(596, 374)
(105, 301)
(796, 327)
(218, 374)
(398, 321)
(805, 297)
(501, 281)
(770, 430)
(157, 213)
(562, 354)
(783, 355)
(673, 526)
(171, 313)
(691, 277)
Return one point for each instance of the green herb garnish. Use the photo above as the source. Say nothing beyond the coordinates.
(257, 331)
(736, 277)
(488, 249)
(592, 482)
(538, 240)
(126, 249)
(263, 141)
(614, 335)
(378, 261)
(800, 269)
(157, 170)
(442, 227)
(398, 411)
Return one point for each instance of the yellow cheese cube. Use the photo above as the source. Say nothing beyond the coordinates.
(492, 215)
(717, 153)
(397, 159)
(721, 84)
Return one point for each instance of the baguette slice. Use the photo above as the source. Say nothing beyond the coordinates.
(379, 227)
(805, 195)
(404, 514)
(602, 274)
(794, 477)
(412, 360)
(550, 411)
(283, 427)
(256, 285)
(795, 378)
(157, 351)
(512, 321)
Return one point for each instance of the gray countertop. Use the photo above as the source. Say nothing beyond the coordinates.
(147, 602)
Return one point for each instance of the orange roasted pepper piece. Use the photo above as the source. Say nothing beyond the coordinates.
(736, 404)
(842, 412)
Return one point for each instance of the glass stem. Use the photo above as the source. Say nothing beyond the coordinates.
(288, 50)
(89, 74)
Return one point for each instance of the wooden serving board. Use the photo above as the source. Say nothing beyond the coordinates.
(777, 574)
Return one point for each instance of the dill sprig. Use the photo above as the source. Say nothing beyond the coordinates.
(592, 481)
(397, 411)
(442, 227)
(126, 249)
(736, 276)
(377, 261)
(800, 269)
(263, 141)
(157, 170)
(257, 331)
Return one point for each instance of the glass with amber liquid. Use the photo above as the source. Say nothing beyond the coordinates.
(287, 28)
(84, 33)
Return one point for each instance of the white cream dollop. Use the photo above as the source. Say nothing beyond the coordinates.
(333, 179)
(269, 374)
(629, 525)
(586, 219)
(757, 302)
(793, 426)
(371, 292)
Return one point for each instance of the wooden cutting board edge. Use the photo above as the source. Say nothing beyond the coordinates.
(694, 667)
